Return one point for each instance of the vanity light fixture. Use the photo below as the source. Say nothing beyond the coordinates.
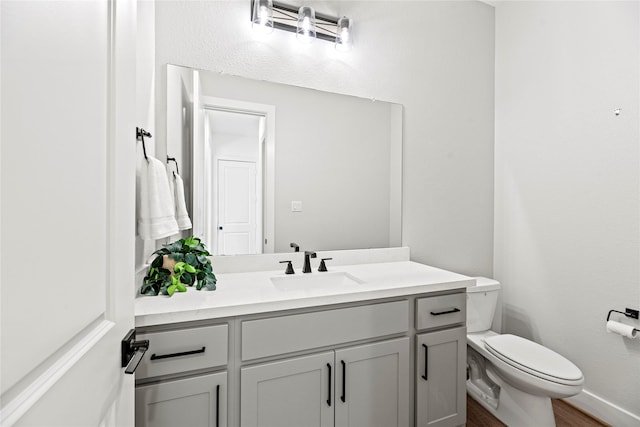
(304, 21)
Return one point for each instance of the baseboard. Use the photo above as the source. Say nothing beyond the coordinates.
(604, 410)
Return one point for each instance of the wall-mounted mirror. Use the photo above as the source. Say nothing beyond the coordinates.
(268, 164)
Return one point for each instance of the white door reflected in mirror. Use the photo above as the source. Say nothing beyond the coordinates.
(237, 216)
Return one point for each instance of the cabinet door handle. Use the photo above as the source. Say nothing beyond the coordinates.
(426, 362)
(329, 399)
(218, 405)
(344, 381)
(439, 313)
(184, 353)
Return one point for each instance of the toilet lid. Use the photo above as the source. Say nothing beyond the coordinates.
(533, 358)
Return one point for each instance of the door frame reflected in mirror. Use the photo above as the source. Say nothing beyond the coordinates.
(204, 216)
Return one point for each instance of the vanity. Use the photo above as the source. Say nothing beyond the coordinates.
(377, 340)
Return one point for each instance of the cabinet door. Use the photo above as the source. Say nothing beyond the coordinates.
(294, 392)
(440, 378)
(372, 385)
(192, 402)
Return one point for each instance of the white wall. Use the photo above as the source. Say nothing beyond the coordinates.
(567, 195)
(435, 58)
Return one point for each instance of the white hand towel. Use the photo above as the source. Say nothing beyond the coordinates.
(182, 216)
(156, 213)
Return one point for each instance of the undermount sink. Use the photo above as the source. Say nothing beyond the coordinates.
(315, 281)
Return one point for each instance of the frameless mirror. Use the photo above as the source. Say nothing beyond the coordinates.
(269, 164)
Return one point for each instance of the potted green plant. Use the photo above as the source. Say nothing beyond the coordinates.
(178, 265)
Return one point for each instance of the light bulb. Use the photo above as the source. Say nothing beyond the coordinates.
(262, 20)
(306, 30)
(343, 34)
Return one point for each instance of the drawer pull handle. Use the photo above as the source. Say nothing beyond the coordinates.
(426, 362)
(439, 313)
(184, 353)
(218, 405)
(344, 382)
(329, 399)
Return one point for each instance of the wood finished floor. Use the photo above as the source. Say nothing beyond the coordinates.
(565, 414)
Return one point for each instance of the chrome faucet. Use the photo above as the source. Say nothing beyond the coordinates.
(307, 264)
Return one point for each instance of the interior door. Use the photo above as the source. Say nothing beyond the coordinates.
(68, 211)
(236, 207)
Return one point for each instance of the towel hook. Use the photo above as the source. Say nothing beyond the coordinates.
(140, 134)
(173, 159)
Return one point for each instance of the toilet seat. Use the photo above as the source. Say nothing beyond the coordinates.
(534, 359)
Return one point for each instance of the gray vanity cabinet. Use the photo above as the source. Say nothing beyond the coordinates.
(197, 401)
(347, 365)
(440, 361)
(366, 385)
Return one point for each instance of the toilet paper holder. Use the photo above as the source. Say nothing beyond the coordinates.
(628, 312)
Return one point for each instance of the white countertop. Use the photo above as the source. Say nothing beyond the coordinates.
(245, 293)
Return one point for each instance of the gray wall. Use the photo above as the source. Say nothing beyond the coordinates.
(568, 187)
(435, 58)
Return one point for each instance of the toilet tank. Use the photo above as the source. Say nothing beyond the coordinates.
(481, 304)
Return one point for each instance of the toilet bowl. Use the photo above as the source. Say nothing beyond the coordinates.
(512, 377)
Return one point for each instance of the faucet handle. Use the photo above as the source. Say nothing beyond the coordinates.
(295, 246)
(289, 269)
(323, 266)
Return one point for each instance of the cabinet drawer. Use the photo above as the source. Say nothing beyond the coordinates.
(182, 350)
(297, 332)
(442, 310)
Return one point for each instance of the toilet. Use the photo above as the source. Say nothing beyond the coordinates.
(510, 376)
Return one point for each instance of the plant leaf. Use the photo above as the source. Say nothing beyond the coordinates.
(177, 256)
(192, 241)
(171, 289)
(162, 251)
(181, 288)
(174, 247)
(180, 267)
(157, 262)
(191, 259)
(187, 279)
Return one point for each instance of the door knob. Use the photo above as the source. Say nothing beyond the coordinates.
(132, 351)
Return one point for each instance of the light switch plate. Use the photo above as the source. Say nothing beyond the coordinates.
(296, 206)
